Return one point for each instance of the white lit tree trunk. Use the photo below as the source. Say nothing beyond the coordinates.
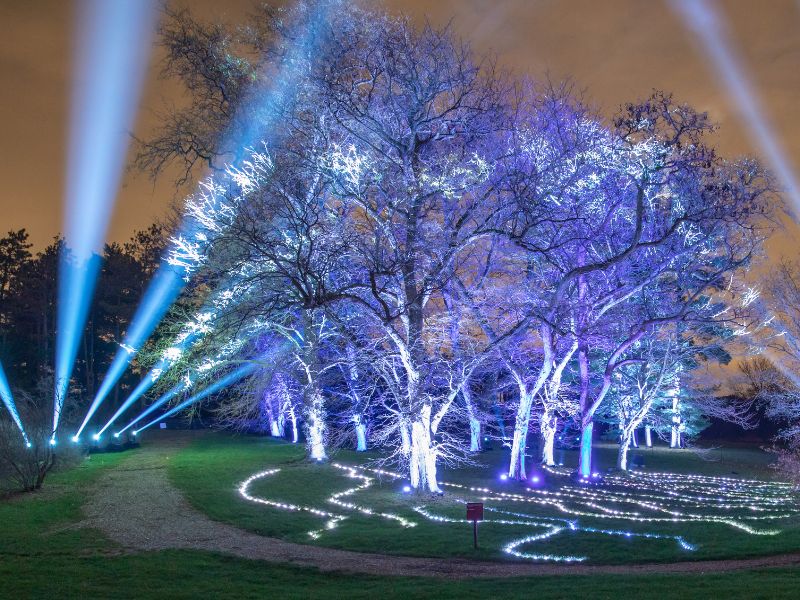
(270, 414)
(648, 437)
(474, 421)
(423, 453)
(405, 437)
(315, 427)
(361, 433)
(675, 437)
(516, 467)
(274, 428)
(293, 419)
(548, 425)
(313, 401)
(549, 420)
(624, 446)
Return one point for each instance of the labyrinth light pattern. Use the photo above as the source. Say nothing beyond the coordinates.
(742, 504)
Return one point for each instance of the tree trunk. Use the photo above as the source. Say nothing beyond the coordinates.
(313, 401)
(675, 438)
(648, 438)
(405, 438)
(624, 446)
(548, 426)
(315, 428)
(474, 422)
(585, 465)
(293, 419)
(423, 454)
(274, 429)
(516, 467)
(361, 433)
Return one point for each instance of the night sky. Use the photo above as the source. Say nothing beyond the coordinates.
(616, 51)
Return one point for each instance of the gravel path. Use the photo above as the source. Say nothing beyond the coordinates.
(136, 506)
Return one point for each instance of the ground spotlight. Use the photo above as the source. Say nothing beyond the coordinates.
(52, 441)
(96, 437)
(28, 445)
(406, 488)
(75, 439)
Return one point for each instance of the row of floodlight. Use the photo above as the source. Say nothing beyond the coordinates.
(172, 274)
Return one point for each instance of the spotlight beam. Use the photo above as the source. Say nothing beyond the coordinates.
(8, 400)
(189, 382)
(144, 385)
(109, 70)
(160, 295)
(232, 377)
(708, 26)
(191, 333)
(155, 405)
(186, 252)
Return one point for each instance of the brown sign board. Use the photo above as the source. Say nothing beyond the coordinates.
(474, 511)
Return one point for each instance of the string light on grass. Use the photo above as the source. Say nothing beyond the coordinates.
(332, 519)
(658, 498)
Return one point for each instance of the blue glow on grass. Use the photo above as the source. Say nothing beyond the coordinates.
(232, 377)
(112, 51)
(189, 244)
(8, 400)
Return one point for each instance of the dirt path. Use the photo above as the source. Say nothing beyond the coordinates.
(136, 506)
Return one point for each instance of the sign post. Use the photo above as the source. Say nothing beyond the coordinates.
(475, 514)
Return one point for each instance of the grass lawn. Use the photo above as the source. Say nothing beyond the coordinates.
(42, 555)
(208, 473)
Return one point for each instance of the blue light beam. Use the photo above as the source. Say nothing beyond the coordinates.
(186, 251)
(166, 397)
(232, 377)
(148, 381)
(8, 400)
(191, 333)
(110, 59)
(162, 292)
(704, 21)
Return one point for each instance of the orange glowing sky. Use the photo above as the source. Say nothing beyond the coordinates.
(617, 50)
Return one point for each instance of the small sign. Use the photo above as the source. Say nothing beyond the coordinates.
(474, 511)
(475, 514)
(162, 425)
